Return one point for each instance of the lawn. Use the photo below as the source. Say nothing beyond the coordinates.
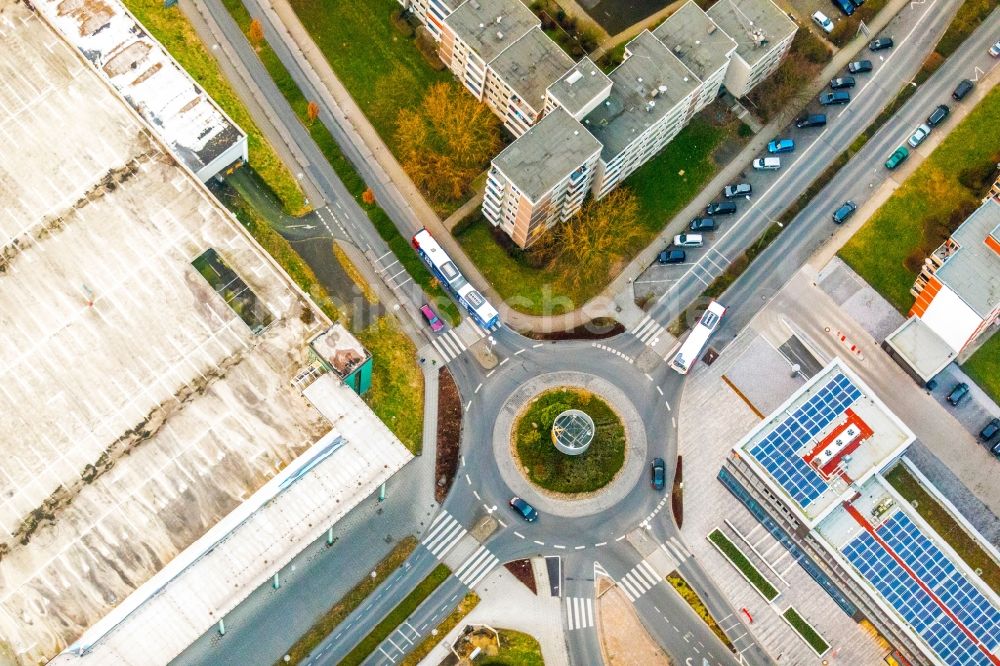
(425, 646)
(516, 649)
(346, 604)
(548, 467)
(172, 29)
(662, 193)
(944, 524)
(397, 392)
(805, 630)
(698, 606)
(396, 616)
(890, 248)
(740, 561)
(984, 368)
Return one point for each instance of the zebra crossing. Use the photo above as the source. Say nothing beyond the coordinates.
(451, 344)
(476, 567)
(675, 550)
(639, 580)
(648, 331)
(579, 613)
(443, 534)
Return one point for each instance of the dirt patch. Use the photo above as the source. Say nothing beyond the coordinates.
(449, 434)
(595, 329)
(624, 641)
(677, 493)
(523, 572)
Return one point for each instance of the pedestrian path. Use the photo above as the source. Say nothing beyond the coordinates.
(443, 534)
(579, 613)
(648, 331)
(639, 580)
(476, 567)
(454, 341)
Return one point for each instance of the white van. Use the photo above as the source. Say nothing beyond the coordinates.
(767, 163)
(823, 21)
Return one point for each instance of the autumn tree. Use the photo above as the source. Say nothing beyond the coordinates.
(255, 33)
(446, 141)
(592, 243)
(368, 196)
(312, 111)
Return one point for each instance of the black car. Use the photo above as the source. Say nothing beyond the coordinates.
(845, 6)
(658, 474)
(841, 214)
(737, 190)
(963, 88)
(990, 431)
(859, 66)
(880, 44)
(720, 208)
(671, 256)
(842, 82)
(812, 120)
(525, 510)
(938, 115)
(839, 97)
(958, 394)
(702, 224)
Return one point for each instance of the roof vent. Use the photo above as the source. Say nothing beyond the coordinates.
(663, 89)
(639, 79)
(482, 25)
(685, 79)
(573, 78)
(499, 35)
(712, 27)
(649, 105)
(498, 19)
(677, 49)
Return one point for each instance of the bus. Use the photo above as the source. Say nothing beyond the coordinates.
(447, 273)
(696, 341)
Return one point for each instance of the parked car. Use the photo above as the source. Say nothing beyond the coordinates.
(990, 431)
(880, 44)
(842, 82)
(995, 449)
(995, 49)
(720, 208)
(958, 394)
(918, 135)
(859, 66)
(737, 190)
(767, 163)
(845, 6)
(702, 224)
(938, 115)
(688, 240)
(963, 88)
(671, 256)
(658, 474)
(812, 120)
(431, 318)
(898, 157)
(841, 214)
(857, 3)
(780, 146)
(838, 97)
(525, 510)
(823, 22)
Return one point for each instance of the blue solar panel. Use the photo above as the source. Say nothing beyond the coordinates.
(913, 603)
(777, 452)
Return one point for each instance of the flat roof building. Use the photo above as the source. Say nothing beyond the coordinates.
(580, 89)
(763, 35)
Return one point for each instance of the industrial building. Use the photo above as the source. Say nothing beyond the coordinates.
(164, 454)
(810, 473)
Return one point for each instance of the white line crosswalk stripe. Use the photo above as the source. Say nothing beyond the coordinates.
(579, 613)
(449, 345)
(476, 567)
(444, 533)
(641, 579)
(648, 331)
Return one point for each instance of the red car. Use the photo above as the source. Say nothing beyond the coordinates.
(431, 318)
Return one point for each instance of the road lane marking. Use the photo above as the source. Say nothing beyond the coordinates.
(478, 387)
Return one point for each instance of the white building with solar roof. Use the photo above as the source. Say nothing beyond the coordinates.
(811, 474)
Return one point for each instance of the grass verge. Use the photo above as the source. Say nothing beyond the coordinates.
(698, 606)
(340, 610)
(984, 368)
(741, 562)
(516, 649)
(806, 631)
(352, 180)
(553, 470)
(941, 520)
(171, 28)
(890, 248)
(396, 616)
(425, 646)
(397, 392)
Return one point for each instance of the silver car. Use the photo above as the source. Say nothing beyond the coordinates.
(919, 135)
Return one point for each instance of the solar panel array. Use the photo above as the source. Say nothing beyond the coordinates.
(914, 604)
(778, 452)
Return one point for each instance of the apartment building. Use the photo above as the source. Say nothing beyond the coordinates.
(431, 13)
(517, 79)
(579, 90)
(763, 34)
(957, 296)
(652, 93)
(477, 32)
(702, 46)
(542, 178)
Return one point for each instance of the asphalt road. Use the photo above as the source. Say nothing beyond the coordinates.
(916, 30)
